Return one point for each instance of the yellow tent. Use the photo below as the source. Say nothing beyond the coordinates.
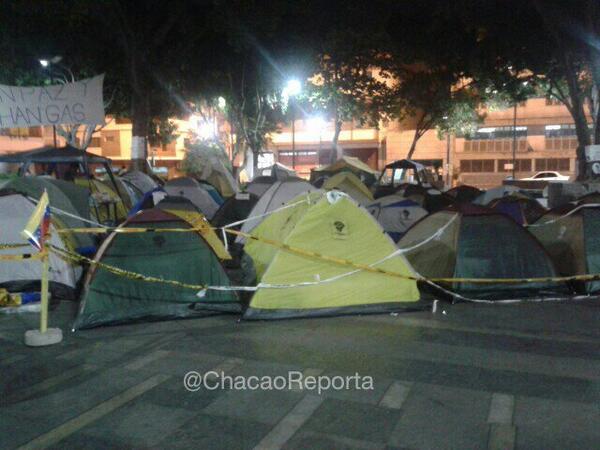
(347, 162)
(350, 184)
(332, 225)
(106, 205)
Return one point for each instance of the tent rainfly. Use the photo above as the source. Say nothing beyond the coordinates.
(467, 241)
(194, 191)
(25, 275)
(571, 235)
(332, 225)
(190, 258)
(396, 214)
(275, 197)
(350, 184)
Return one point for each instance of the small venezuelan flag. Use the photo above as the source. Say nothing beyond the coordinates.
(38, 224)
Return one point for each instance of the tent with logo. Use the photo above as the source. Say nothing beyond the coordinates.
(571, 235)
(25, 275)
(347, 164)
(472, 242)
(275, 197)
(350, 184)
(185, 257)
(522, 209)
(194, 191)
(299, 285)
(396, 214)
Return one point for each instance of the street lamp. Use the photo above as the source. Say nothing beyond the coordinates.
(47, 64)
(292, 89)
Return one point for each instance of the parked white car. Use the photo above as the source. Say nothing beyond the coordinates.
(547, 176)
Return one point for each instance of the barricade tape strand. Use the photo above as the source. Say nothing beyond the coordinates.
(65, 254)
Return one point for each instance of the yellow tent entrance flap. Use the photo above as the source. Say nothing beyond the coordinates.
(335, 226)
(198, 222)
(350, 184)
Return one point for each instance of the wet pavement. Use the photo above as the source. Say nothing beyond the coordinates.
(469, 376)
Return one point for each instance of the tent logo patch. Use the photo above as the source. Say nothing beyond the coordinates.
(339, 229)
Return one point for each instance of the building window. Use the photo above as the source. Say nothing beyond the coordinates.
(491, 133)
(95, 142)
(109, 138)
(552, 131)
(560, 137)
(476, 165)
(521, 165)
(555, 164)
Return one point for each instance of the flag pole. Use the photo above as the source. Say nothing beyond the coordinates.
(37, 232)
(44, 294)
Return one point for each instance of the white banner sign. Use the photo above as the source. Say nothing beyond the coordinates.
(70, 103)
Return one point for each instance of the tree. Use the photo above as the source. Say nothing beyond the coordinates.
(569, 69)
(445, 74)
(350, 79)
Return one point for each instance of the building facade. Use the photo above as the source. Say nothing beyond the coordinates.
(545, 141)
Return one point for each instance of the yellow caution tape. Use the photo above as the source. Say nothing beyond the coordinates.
(23, 256)
(367, 268)
(7, 246)
(310, 254)
(66, 254)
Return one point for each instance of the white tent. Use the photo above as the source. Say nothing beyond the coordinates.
(275, 197)
(260, 185)
(396, 214)
(15, 210)
(277, 170)
(140, 180)
(194, 191)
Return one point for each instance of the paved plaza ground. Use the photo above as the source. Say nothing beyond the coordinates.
(466, 377)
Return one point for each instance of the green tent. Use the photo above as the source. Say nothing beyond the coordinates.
(466, 241)
(183, 257)
(571, 235)
(332, 225)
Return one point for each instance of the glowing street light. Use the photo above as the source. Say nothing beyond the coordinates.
(47, 64)
(293, 87)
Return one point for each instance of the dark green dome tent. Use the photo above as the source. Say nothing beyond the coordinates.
(467, 241)
(185, 257)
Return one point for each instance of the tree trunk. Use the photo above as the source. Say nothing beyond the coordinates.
(583, 136)
(336, 151)
(140, 118)
(413, 146)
